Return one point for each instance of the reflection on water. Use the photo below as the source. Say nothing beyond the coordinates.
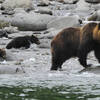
(54, 93)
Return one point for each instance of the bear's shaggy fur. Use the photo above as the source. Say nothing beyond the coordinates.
(24, 41)
(2, 53)
(75, 42)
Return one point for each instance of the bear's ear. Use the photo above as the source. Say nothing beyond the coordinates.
(33, 36)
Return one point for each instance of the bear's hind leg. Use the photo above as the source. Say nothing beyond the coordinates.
(27, 46)
(57, 62)
(97, 53)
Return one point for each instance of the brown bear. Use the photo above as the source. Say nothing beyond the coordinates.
(2, 53)
(75, 42)
(23, 41)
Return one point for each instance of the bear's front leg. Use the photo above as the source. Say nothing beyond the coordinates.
(83, 62)
(27, 46)
(84, 48)
(55, 63)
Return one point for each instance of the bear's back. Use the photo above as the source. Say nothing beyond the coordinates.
(19, 42)
(68, 34)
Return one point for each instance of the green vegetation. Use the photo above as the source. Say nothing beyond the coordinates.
(40, 93)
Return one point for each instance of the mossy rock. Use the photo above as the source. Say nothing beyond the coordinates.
(4, 24)
(95, 16)
(92, 18)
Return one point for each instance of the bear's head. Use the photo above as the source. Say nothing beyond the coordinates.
(2, 53)
(35, 40)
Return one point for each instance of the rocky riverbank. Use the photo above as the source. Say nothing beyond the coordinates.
(44, 19)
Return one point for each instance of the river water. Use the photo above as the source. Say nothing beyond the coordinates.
(35, 81)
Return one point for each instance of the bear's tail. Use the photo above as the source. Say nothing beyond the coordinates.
(8, 46)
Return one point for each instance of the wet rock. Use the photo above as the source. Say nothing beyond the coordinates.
(19, 10)
(11, 29)
(83, 6)
(20, 33)
(60, 1)
(96, 6)
(29, 21)
(11, 4)
(93, 69)
(93, 1)
(43, 3)
(1, 7)
(95, 16)
(44, 10)
(37, 33)
(70, 7)
(50, 33)
(70, 1)
(7, 12)
(3, 33)
(44, 44)
(64, 22)
(1, 1)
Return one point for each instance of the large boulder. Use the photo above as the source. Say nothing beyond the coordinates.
(95, 16)
(1, 1)
(93, 1)
(64, 22)
(11, 4)
(44, 10)
(43, 3)
(29, 22)
(83, 6)
(96, 6)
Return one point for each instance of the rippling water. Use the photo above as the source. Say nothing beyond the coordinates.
(37, 82)
(50, 86)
